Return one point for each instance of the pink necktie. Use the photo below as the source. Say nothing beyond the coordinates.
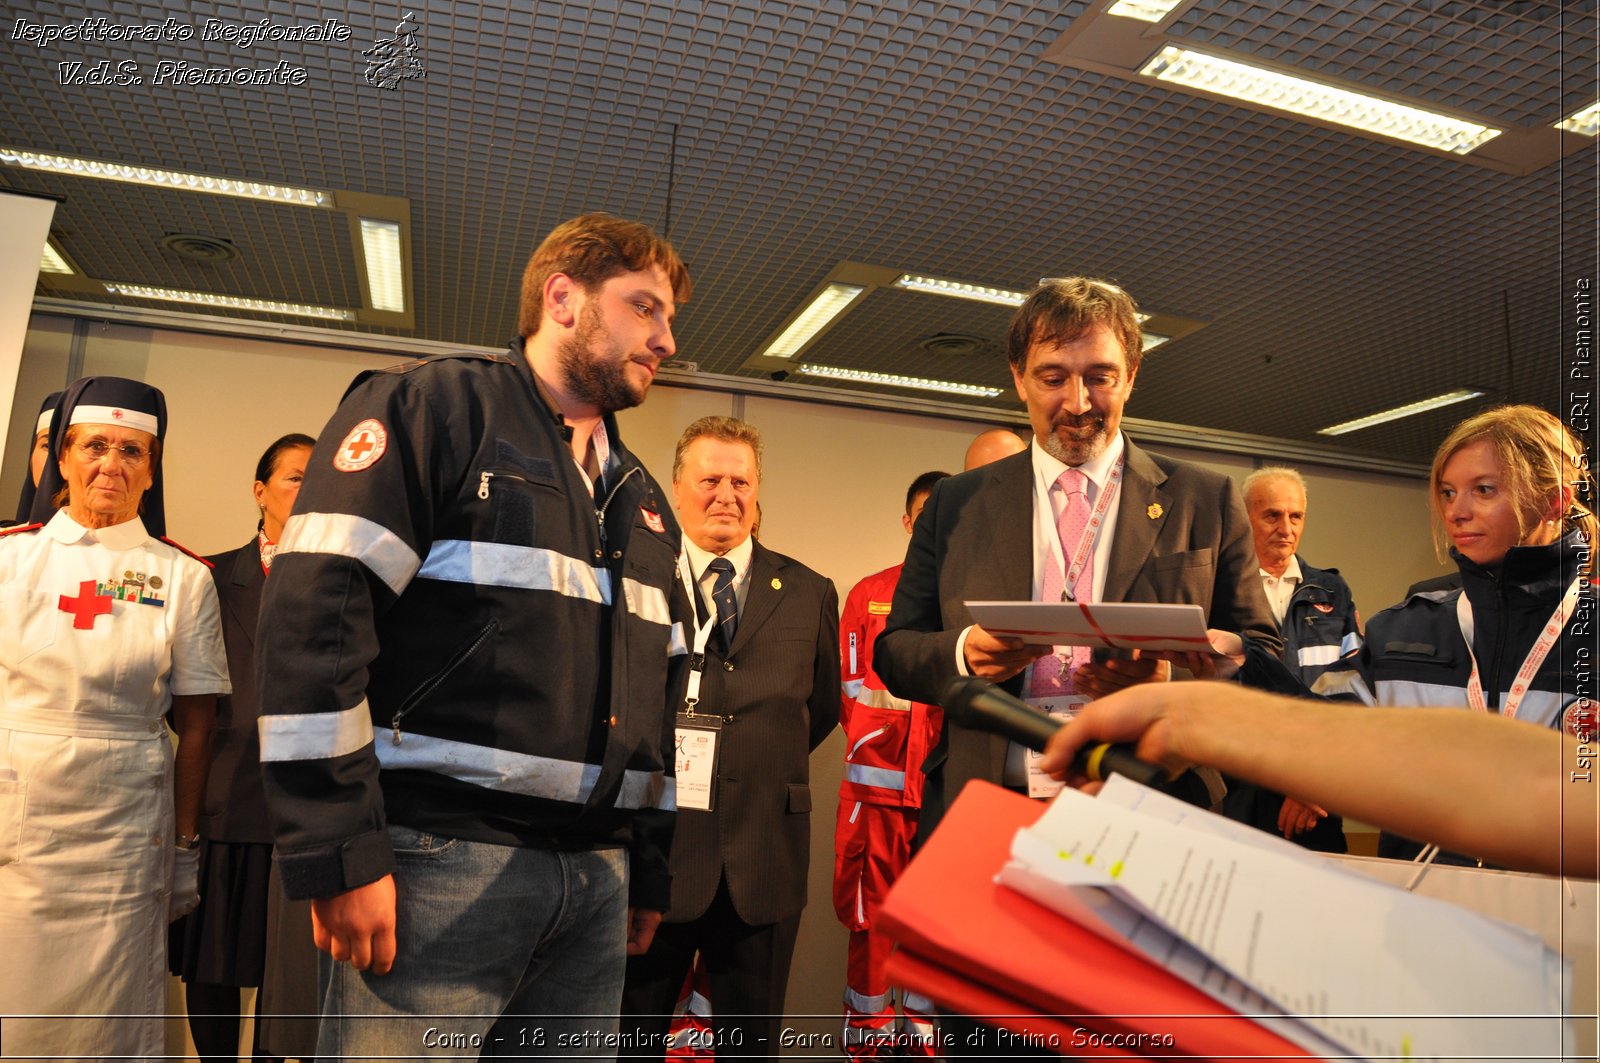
(1052, 676)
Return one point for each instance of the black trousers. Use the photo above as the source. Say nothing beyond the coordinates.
(749, 971)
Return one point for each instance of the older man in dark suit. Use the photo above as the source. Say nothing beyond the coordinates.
(1085, 515)
(763, 693)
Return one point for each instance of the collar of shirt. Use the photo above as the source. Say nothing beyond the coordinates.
(700, 560)
(125, 536)
(1281, 588)
(599, 442)
(1049, 500)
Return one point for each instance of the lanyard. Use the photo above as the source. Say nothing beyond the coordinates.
(702, 635)
(1080, 556)
(1541, 649)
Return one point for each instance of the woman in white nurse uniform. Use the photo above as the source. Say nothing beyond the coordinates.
(105, 626)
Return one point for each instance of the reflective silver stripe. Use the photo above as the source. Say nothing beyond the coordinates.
(315, 735)
(860, 1002)
(528, 568)
(1349, 644)
(882, 778)
(521, 773)
(878, 698)
(646, 602)
(917, 1002)
(383, 552)
(1310, 655)
(677, 644)
(1539, 707)
(863, 740)
(648, 789)
(1336, 682)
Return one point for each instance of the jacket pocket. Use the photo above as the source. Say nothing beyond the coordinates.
(799, 797)
(462, 654)
(1186, 559)
(13, 807)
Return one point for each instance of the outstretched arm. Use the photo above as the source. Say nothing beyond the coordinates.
(1513, 793)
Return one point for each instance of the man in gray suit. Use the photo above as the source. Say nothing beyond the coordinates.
(1114, 523)
(763, 692)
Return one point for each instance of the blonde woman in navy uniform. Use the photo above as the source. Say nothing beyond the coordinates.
(105, 626)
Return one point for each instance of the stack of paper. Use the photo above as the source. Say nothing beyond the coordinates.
(1267, 929)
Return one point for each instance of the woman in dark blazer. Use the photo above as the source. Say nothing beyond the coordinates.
(241, 935)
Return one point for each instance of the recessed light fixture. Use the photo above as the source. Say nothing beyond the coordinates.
(1586, 121)
(230, 302)
(1144, 10)
(50, 261)
(832, 301)
(862, 376)
(174, 179)
(1409, 410)
(983, 293)
(960, 289)
(1312, 99)
(380, 245)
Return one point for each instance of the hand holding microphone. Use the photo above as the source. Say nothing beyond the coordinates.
(977, 703)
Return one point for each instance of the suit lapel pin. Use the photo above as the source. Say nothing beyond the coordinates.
(777, 584)
(1154, 511)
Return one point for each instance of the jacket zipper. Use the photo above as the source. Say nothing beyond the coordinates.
(431, 684)
(486, 475)
(600, 511)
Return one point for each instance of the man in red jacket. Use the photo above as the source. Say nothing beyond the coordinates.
(886, 740)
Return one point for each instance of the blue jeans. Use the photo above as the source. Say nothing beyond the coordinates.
(501, 951)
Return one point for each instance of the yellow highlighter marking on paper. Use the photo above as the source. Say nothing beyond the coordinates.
(1116, 869)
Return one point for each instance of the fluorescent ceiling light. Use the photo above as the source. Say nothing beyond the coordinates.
(51, 261)
(834, 300)
(380, 244)
(174, 179)
(1145, 10)
(231, 302)
(1586, 121)
(1408, 410)
(960, 289)
(861, 376)
(1311, 99)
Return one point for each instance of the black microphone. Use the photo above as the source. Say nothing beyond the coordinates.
(975, 702)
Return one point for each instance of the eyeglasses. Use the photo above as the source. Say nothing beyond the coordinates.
(132, 454)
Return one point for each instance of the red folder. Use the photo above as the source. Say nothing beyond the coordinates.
(977, 948)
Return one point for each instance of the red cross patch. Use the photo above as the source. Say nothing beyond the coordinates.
(89, 604)
(1580, 720)
(652, 520)
(362, 447)
(116, 415)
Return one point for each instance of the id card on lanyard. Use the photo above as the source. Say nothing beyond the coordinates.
(696, 734)
(1548, 636)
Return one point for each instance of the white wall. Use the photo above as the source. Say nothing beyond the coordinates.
(832, 495)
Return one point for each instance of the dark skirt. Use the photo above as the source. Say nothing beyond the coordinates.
(224, 940)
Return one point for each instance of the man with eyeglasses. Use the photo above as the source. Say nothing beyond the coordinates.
(467, 674)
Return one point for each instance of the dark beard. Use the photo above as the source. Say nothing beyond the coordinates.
(589, 377)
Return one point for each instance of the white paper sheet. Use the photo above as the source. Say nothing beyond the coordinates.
(1374, 969)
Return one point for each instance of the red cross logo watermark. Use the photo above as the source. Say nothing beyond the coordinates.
(86, 606)
(362, 447)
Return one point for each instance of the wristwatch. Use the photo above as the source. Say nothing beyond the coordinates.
(188, 841)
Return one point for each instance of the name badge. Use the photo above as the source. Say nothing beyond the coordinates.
(694, 758)
(1061, 708)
